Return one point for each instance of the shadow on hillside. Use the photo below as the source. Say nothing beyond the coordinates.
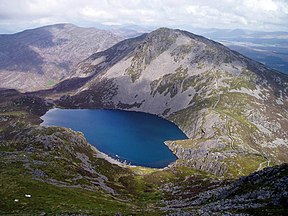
(17, 53)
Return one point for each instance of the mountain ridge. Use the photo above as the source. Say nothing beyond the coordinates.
(38, 58)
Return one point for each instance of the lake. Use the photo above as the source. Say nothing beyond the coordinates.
(133, 137)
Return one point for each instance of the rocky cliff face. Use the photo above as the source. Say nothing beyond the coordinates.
(39, 58)
(234, 110)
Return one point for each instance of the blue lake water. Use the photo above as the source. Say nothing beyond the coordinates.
(134, 137)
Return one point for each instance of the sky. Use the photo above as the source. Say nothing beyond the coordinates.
(264, 15)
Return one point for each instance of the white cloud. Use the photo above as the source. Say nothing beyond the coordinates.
(248, 14)
(261, 5)
(96, 14)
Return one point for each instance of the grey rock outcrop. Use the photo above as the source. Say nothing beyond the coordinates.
(263, 192)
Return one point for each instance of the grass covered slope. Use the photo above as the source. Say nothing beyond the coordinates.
(57, 167)
(64, 174)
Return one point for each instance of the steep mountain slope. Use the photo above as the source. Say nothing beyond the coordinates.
(38, 58)
(261, 193)
(234, 110)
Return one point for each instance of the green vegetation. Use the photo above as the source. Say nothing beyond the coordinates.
(59, 182)
(181, 51)
(133, 73)
(138, 63)
(184, 117)
(202, 82)
(241, 82)
(243, 164)
(49, 181)
(51, 83)
(16, 182)
(169, 83)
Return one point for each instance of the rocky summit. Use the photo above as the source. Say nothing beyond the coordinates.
(39, 58)
(233, 110)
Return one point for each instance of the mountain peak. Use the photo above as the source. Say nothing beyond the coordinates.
(163, 30)
(61, 25)
(164, 33)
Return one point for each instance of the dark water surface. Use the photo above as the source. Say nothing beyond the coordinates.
(134, 137)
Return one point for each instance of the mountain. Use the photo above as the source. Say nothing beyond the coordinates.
(129, 31)
(39, 58)
(269, 48)
(233, 109)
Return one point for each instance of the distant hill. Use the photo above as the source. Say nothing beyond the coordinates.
(39, 58)
(269, 48)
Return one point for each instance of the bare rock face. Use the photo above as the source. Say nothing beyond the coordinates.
(234, 110)
(39, 58)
